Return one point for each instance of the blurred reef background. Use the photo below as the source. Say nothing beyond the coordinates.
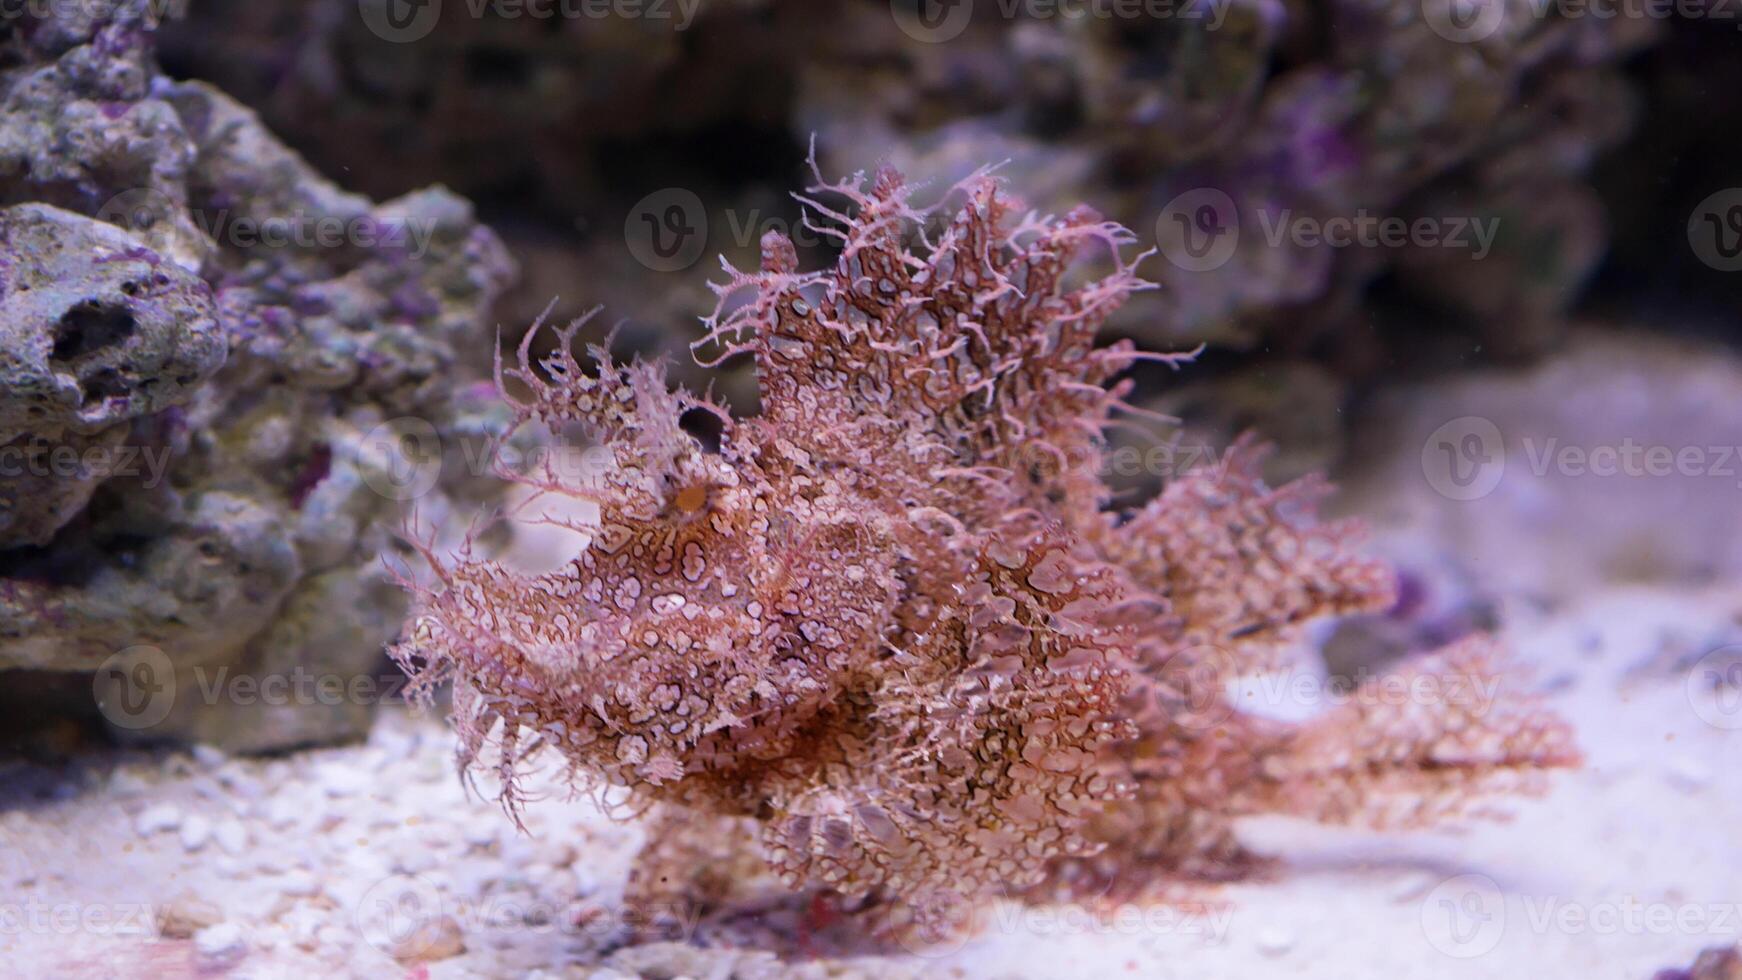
(535, 156)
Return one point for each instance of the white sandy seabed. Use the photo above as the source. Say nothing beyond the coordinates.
(373, 861)
(328, 863)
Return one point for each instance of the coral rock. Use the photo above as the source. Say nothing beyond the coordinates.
(201, 340)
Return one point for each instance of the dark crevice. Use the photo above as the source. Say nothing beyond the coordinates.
(89, 327)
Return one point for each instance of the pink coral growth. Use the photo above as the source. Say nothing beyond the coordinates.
(892, 636)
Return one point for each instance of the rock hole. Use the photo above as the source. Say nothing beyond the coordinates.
(89, 327)
(103, 385)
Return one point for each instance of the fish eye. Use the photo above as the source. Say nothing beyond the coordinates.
(691, 498)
